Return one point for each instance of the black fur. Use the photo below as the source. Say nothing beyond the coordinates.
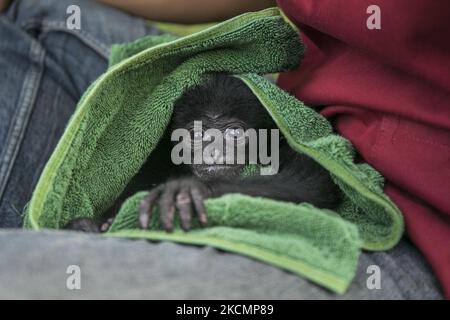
(300, 179)
(223, 98)
(221, 102)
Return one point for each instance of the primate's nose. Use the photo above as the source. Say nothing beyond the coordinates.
(216, 155)
(206, 136)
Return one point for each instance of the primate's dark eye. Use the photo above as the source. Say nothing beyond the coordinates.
(234, 133)
(196, 134)
(196, 137)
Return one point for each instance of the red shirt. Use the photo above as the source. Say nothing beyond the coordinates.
(388, 91)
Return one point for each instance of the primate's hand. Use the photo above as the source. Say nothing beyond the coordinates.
(184, 196)
(89, 225)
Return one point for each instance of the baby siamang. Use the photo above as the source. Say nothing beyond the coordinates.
(218, 118)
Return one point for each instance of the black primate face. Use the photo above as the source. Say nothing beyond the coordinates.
(232, 136)
(226, 106)
(224, 110)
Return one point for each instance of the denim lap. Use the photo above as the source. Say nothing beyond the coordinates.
(45, 68)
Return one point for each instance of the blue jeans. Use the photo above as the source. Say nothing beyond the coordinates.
(44, 69)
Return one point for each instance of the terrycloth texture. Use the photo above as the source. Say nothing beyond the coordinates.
(388, 92)
(122, 116)
(180, 29)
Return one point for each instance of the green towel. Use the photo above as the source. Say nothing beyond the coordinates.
(122, 116)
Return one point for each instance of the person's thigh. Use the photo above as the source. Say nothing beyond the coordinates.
(45, 67)
(81, 49)
(34, 265)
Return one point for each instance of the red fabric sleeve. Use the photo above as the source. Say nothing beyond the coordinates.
(388, 91)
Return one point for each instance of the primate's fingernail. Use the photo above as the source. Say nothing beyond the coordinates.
(203, 219)
(143, 220)
(185, 225)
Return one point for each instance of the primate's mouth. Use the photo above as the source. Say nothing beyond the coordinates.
(206, 171)
(218, 168)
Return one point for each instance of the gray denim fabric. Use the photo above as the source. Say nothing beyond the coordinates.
(44, 69)
(33, 265)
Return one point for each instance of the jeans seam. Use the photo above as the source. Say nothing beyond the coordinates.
(23, 113)
(59, 26)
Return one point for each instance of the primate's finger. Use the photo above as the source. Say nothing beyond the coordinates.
(84, 225)
(184, 206)
(146, 208)
(105, 226)
(197, 198)
(167, 208)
